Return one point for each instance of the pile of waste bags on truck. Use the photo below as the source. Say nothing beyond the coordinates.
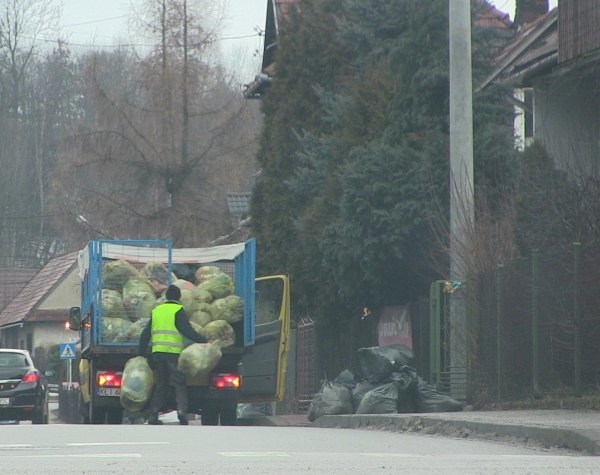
(388, 384)
(130, 294)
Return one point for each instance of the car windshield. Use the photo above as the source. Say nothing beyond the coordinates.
(13, 360)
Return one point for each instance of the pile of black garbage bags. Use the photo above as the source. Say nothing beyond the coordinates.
(388, 385)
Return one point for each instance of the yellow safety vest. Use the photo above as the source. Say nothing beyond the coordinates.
(165, 336)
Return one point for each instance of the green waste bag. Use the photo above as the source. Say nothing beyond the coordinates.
(137, 383)
(199, 359)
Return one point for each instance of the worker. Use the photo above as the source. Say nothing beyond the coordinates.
(167, 329)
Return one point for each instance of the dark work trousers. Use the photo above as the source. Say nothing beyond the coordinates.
(166, 367)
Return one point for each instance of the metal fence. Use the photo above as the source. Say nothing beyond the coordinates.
(325, 349)
(305, 364)
(536, 326)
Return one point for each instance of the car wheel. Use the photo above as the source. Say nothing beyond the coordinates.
(209, 417)
(40, 417)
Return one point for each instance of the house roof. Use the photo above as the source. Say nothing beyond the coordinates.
(12, 281)
(22, 307)
(533, 48)
(491, 17)
(277, 11)
(238, 203)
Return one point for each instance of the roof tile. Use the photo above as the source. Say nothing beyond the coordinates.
(12, 280)
(238, 203)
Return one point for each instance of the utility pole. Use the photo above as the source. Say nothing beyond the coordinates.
(461, 181)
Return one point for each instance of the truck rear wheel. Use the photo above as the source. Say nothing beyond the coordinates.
(114, 416)
(97, 415)
(228, 417)
(209, 417)
(84, 410)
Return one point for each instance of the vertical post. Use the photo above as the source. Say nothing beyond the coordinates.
(461, 134)
(535, 323)
(500, 326)
(461, 176)
(577, 316)
(70, 374)
(435, 305)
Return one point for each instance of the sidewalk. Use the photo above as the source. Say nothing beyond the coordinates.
(566, 429)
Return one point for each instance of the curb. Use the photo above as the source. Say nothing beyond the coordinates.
(585, 440)
(265, 421)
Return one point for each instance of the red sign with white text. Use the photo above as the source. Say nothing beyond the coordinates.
(394, 327)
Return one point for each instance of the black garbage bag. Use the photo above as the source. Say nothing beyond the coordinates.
(379, 362)
(381, 400)
(362, 388)
(185, 271)
(257, 409)
(407, 381)
(429, 399)
(332, 399)
(346, 378)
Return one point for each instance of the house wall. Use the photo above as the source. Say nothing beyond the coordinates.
(51, 333)
(578, 24)
(46, 333)
(43, 334)
(66, 295)
(567, 121)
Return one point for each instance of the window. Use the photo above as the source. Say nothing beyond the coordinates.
(13, 360)
(269, 300)
(524, 117)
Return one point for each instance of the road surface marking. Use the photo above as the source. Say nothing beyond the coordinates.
(17, 446)
(255, 454)
(385, 454)
(90, 444)
(87, 456)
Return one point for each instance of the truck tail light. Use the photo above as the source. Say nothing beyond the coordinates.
(109, 379)
(225, 381)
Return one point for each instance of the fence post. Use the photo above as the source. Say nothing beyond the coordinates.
(535, 322)
(577, 316)
(500, 326)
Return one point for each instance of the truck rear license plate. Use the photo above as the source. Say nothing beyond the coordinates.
(108, 391)
(4, 401)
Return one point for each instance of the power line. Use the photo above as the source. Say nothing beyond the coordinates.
(145, 45)
(95, 21)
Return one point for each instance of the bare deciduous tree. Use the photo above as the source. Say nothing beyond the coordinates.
(164, 138)
(22, 23)
(28, 116)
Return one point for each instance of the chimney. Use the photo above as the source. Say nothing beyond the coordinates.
(528, 11)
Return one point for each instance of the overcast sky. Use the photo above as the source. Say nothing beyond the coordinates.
(508, 6)
(102, 22)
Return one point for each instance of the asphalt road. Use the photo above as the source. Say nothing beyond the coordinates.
(172, 449)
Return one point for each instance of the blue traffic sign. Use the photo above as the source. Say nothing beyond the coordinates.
(67, 351)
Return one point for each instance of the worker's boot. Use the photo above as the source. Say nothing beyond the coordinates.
(183, 420)
(154, 421)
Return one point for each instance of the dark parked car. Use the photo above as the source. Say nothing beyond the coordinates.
(23, 387)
